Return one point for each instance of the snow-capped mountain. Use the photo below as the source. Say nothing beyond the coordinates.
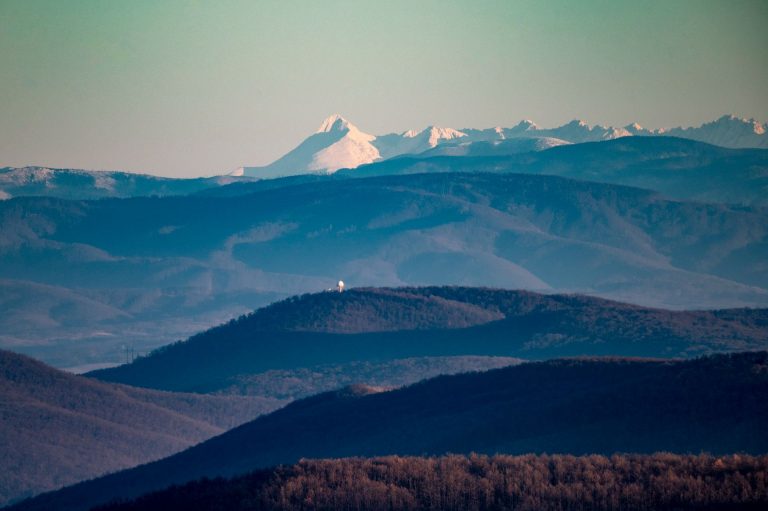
(336, 144)
(579, 131)
(340, 144)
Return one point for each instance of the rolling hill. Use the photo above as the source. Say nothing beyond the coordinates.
(383, 325)
(161, 269)
(716, 404)
(57, 429)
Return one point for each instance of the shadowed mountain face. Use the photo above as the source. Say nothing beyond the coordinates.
(159, 269)
(716, 404)
(57, 429)
(383, 325)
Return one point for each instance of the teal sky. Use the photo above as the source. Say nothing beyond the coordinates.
(187, 88)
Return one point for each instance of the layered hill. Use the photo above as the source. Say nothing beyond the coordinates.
(57, 429)
(161, 269)
(716, 404)
(385, 325)
(678, 168)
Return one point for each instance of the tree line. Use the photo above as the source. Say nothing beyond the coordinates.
(526, 483)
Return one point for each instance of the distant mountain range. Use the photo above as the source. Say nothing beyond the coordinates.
(714, 405)
(340, 144)
(97, 184)
(57, 429)
(148, 271)
(299, 336)
(678, 168)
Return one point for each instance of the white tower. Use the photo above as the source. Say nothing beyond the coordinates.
(340, 286)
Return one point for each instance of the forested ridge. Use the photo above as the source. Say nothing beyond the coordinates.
(716, 404)
(525, 483)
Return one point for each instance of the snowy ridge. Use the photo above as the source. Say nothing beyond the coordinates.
(340, 144)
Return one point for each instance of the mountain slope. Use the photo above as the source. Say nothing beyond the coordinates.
(173, 266)
(715, 404)
(377, 325)
(58, 429)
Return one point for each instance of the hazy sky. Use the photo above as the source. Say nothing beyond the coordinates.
(187, 88)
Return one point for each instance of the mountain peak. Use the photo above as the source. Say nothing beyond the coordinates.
(436, 134)
(335, 123)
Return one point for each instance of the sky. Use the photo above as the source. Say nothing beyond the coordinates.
(193, 88)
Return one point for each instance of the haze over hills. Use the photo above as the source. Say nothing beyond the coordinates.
(498, 292)
(379, 326)
(159, 269)
(340, 144)
(717, 405)
(58, 429)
